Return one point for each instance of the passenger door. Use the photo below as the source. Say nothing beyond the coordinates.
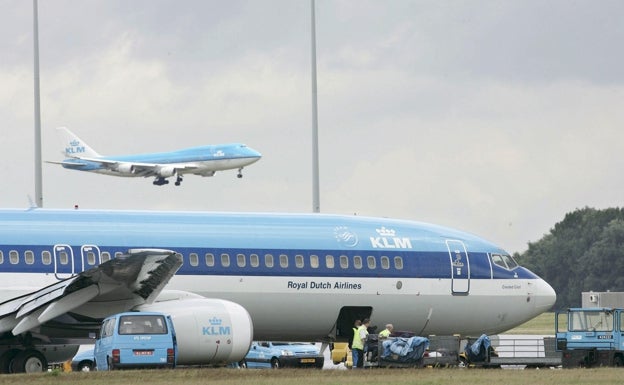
(63, 262)
(460, 267)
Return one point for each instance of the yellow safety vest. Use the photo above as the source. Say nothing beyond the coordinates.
(357, 341)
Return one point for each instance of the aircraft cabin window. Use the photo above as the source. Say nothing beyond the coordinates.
(357, 262)
(194, 259)
(283, 259)
(13, 257)
(314, 261)
(268, 260)
(329, 261)
(181, 257)
(241, 261)
(385, 262)
(371, 262)
(398, 263)
(210, 259)
(299, 261)
(46, 257)
(1, 257)
(225, 260)
(90, 258)
(29, 257)
(344, 262)
(105, 256)
(254, 260)
(63, 258)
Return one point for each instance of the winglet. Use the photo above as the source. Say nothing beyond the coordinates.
(73, 146)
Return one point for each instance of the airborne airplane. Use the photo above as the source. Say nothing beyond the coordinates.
(228, 278)
(203, 160)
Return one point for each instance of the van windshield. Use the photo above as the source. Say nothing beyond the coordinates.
(142, 324)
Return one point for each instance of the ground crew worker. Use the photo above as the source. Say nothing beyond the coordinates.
(386, 332)
(359, 341)
(354, 354)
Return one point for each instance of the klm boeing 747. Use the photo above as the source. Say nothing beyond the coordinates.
(203, 160)
(229, 278)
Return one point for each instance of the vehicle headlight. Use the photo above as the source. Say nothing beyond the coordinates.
(287, 353)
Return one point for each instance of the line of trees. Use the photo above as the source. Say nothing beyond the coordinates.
(583, 252)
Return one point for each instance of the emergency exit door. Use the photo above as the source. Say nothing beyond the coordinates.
(460, 267)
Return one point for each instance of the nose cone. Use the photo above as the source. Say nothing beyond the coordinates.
(545, 296)
(254, 154)
(251, 155)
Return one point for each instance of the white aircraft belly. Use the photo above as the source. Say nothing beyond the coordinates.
(289, 304)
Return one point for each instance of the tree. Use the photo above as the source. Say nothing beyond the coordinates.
(583, 252)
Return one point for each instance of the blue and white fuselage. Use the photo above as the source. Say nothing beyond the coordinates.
(300, 276)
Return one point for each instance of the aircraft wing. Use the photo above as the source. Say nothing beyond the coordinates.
(138, 168)
(120, 284)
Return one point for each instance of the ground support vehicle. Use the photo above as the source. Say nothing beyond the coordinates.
(513, 350)
(136, 340)
(395, 351)
(589, 337)
(83, 361)
(283, 354)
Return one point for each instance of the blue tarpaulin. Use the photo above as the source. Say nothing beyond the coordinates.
(404, 349)
(477, 351)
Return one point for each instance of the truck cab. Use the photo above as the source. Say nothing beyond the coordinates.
(136, 340)
(590, 337)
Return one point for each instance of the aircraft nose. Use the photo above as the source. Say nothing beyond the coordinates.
(545, 296)
(253, 153)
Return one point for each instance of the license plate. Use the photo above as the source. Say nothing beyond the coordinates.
(307, 360)
(143, 352)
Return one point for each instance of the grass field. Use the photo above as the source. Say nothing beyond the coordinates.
(323, 377)
(542, 324)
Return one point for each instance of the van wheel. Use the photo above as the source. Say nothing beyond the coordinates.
(85, 366)
(275, 364)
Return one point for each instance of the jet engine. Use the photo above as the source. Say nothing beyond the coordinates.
(125, 168)
(208, 331)
(166, 171)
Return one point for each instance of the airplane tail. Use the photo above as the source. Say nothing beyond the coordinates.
(73, 146)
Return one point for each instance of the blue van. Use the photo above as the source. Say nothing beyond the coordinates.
(136, 340)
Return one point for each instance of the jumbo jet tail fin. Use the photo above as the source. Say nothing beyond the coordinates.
(73, 146)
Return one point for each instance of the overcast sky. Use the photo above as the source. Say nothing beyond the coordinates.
(494, 117)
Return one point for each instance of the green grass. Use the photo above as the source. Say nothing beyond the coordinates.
(322, 377)
(542, 324)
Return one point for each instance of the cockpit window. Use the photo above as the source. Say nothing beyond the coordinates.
(504, 261)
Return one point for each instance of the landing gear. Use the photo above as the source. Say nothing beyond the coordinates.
(160, 181)
(240, 173)
(178, 180)
(23, 361)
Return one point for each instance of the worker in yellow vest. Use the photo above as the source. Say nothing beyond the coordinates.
(354, 353)
(358, 343)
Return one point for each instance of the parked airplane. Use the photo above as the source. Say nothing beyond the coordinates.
(203, 160)
(299, 277)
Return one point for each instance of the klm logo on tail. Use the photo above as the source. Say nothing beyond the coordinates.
(75, 148)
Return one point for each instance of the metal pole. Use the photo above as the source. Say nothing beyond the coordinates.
(38, 177)
(316, 204)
